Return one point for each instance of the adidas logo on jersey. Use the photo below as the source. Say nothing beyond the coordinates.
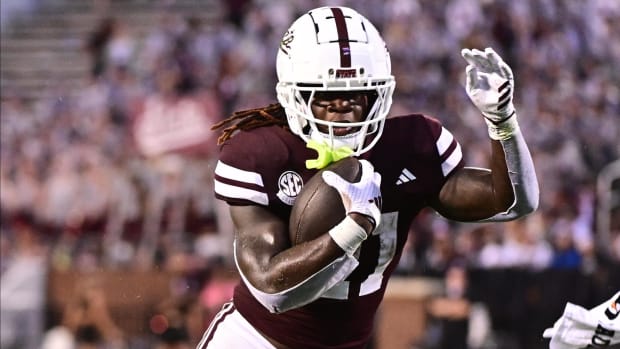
(405, 177)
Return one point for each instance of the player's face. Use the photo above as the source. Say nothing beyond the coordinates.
(339, 106)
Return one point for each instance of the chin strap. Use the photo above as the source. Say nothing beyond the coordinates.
(327, 155)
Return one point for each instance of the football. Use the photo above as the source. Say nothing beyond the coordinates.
(318, 207)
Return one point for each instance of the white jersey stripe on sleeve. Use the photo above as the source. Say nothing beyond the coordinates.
(444, 141)
(235, 192)
(452, 161)
(233, 173)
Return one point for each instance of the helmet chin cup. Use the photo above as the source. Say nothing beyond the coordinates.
(334, 49)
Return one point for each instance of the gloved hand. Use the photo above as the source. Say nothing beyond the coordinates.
(363, 197)
(490, 85)
(579, 328)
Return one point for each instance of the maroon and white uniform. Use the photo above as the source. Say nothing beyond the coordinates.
(266, 166)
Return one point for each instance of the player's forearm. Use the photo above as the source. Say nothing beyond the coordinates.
(281, 276)
(303, 279)
(522, 177)
(296, 264)
(300, 274)
(502, 194)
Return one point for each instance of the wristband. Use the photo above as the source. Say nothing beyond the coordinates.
(348, 235)
(503, 130)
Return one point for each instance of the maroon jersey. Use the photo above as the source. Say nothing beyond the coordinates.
(266, 166)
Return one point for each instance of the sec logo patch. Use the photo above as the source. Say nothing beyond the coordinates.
(289, 184)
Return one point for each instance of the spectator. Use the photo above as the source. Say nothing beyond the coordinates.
(86, 322)
(566, 255)
(22, 285)
(178, 322)
(96, 45)
(449, 312)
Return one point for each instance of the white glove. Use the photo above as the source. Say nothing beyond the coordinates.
(363, 197)
(580, 328)
(490, 85)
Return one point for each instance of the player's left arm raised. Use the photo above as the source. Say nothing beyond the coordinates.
(509, 189)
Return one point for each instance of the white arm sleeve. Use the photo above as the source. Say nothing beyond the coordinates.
(523, 178)
(306, 291)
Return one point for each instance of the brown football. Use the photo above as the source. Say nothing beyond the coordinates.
(318, 207)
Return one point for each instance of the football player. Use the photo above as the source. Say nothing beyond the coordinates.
(578, 327)
(334, 91)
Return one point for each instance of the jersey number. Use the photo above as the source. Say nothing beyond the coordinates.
(375, 255)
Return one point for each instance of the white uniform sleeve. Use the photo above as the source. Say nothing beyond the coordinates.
(580, 328)
(523, 177)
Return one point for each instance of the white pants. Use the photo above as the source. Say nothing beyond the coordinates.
(230, 330)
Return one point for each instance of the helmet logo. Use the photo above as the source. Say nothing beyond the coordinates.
(346, 73)
(286, 41)
(290, 184)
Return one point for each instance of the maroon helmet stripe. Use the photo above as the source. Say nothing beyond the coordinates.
(343, 38)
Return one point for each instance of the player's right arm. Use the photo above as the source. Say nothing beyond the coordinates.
(264, 255)
(281, 276)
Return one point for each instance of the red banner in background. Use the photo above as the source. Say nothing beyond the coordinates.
(173, 125)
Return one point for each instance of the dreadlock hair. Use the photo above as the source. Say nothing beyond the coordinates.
(272, 114)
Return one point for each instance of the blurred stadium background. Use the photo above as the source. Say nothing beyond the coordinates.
(109, 230)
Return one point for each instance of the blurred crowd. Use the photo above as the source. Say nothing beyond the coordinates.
(118, 174)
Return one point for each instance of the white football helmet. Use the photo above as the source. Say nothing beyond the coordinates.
(334, 49)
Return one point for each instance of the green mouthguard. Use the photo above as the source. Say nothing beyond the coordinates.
(327, 155)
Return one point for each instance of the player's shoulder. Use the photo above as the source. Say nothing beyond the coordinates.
(254, 148)
(417, 122)
(255, 165)
(419, 130)
(415, 156)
